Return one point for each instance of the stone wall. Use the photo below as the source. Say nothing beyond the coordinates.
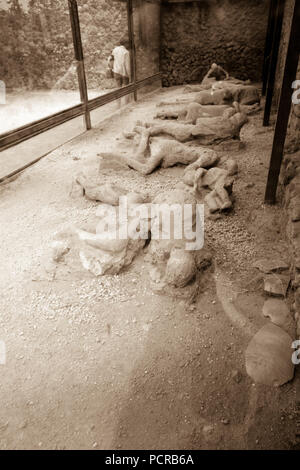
(293, 136)
(290, 177)
(146, 24)
(195, 34)
(286, 26)
(290, 173)
(293, 133)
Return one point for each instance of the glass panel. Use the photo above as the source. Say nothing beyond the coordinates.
(37, 64)
(103, 112)
(103, 25)
(146, 25)
(30, 150)
(106, 111)
(147, 89)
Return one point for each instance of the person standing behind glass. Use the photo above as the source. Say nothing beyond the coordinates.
(122, 67)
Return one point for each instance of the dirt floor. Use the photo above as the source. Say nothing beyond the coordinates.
(104, 362)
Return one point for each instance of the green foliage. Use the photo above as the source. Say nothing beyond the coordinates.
(37, 48)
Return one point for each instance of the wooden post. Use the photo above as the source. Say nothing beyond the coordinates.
(268, 44)
(77, 42)
(284, 108)
(273, 60)
(132, 44)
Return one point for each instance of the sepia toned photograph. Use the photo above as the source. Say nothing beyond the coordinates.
(149, 228)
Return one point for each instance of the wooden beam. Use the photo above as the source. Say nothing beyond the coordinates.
(78, 50)
(23, 133)
(273, 60)
(126, 90)
(284, 108)
(30, 130)
(268, 44)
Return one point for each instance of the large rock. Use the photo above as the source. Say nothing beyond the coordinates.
(269, 356)
(279, 314)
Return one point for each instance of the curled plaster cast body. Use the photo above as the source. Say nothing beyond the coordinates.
(174, 268)
(155, 152)
(220, 93)
(151, 153)
(218, 180)
(191, 112)
(207, 129)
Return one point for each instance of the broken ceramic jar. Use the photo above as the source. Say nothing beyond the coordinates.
(276, 284)
(279, 314)
(268, 356)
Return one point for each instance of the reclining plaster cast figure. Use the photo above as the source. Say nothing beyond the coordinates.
(219, 181)
(216, 72)
(152, 153)
(206, 130)
(193, 111)
(95, 189)
(243, 94)
(189, 175)
(155, 152)
(175, 262)
(220, 92)
(105, 251)
(194, 88)
(205, 97)
(220, 184)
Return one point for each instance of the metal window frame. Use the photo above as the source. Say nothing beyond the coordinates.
(16, 136)
(272, 65)
(268, 44)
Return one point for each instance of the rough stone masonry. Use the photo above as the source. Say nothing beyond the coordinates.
(195, 34)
